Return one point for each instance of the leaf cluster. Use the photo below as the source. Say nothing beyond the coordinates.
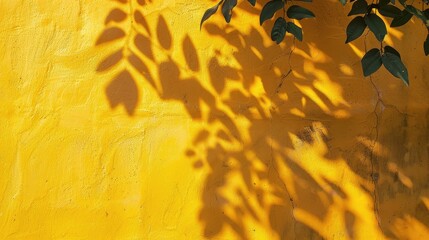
(369, 15)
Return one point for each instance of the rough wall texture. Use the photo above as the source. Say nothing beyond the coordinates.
(122, 120)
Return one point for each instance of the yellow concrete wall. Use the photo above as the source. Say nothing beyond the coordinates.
(122, 120)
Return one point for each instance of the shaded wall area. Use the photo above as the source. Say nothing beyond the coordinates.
(122, 120)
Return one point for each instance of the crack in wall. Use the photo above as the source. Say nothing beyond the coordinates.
(379, 108)
(374, 174)
(284, 76)
(272, 165)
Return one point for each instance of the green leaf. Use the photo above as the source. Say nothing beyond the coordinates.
(389, 11)
(359, 7)
(209, 12)
(227, 7)
(298, 12)
(383, 2)
(343, 2)
(426, 13)
(392, 50)
(279, 30)
(355, 28)
(371, 61)
(294, 30)
(394, 65)
(253, 2)
(401, 19)
(426, 45)
(269, 9)
(376, 25)
(418, 14)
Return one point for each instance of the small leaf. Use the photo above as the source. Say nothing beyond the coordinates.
(389, 11)
(376, 25)
(227, 7)
(279, 30)
(359, 7)
(392, 50)
(209, 12)
(294, 30)
(394, 65)
(343, 2)
(371, 62)
(355, 28)
(269, 9)
(298, 12)
(418, 14)
(401, 19)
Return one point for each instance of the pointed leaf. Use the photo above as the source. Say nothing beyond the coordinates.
(209, 12)
(416, 12)
(227, 7)
(371, 62)
(294, 30)
(389, 11)
(269, 9)
(279, 30)
(355, 28)
(401, 19)
(359, 7)
(394, 65)
(392, 50)
(376, 25)
(298, 12)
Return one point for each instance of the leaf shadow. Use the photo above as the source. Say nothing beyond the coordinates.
(255, 139)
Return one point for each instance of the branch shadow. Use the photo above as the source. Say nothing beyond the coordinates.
(271, 113)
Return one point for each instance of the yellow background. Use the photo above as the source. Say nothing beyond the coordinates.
(122, 120)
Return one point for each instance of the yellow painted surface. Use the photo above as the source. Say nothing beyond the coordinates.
(122, 120)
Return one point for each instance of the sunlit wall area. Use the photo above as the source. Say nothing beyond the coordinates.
(121, 119)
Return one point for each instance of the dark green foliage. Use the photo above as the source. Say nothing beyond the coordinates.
(209, 12)
(400, 20)
(376, 25)
(369, 16)
(389, 11)
(359, 7)
(355, 28)
(227, 7)
(371, 62)
(279, 30)
(298, 12)
(392, 50)
(269, 9)
(295, 30)
(395, 66)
